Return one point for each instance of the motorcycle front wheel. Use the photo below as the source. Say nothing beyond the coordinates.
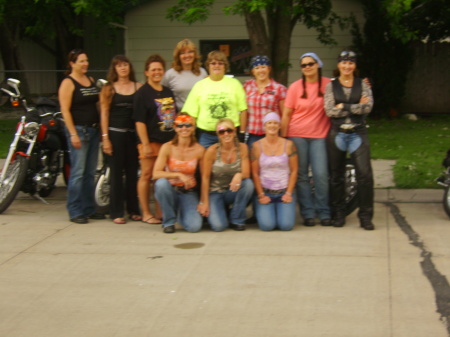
(11, 184)
(446, 200)
(102, 191)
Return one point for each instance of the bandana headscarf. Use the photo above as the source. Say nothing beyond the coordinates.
(347, 55)
(259, 60)
(314, 56)
(184, 119)
(271, 116)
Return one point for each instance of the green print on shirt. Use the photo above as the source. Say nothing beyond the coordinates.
(219, 107)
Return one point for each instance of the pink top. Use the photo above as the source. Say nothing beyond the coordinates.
(308, 116)
(186, 167)
(274, 171)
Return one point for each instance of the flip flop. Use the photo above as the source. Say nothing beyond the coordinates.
(147, 221)
(135, 217)
(120, 221)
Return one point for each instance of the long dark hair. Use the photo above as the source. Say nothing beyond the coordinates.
(319, 90)
(112, 73)
(73, 57)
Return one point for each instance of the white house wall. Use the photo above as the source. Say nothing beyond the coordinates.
(148, 32)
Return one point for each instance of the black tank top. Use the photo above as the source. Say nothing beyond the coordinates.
(84, 109)
(121, 111)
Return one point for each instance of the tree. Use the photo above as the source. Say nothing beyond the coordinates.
(55, 25)
(427, 20)
(269, 24)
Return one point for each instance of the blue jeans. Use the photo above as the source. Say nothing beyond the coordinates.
(348, 141)
(220, 201)
(253, 138)
(277, 214)
(312, 151)
(179, 206)
(206, 139)
(83, 163)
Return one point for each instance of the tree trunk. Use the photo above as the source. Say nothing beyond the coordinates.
(281, 43)
(257, 33)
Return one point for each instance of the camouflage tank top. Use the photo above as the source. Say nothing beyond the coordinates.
(222, 173)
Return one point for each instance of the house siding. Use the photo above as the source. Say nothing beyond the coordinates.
(148, 31)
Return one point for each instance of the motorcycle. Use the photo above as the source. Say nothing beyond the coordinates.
(38, 152)
(444, 180)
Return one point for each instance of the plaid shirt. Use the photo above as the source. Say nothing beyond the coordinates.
(261, 104)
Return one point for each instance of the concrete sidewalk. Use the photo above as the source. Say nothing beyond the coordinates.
(101, 279)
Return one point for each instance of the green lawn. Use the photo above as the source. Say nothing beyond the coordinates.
(418, 146)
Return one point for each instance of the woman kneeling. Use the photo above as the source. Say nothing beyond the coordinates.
(274, 171)
(225, 180)
(175, 170)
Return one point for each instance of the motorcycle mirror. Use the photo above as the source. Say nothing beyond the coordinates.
(13, 83)
(100, 83)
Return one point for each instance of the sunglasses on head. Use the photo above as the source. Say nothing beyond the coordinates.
(310, 64)
(187, 125)
(223, 131)
(217, 63)
(347, 53)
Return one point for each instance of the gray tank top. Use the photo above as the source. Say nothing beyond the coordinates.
(222, 173)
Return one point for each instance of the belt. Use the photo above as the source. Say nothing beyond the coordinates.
(348, 131)
(266, 190)
(93, 125)
(120, 129)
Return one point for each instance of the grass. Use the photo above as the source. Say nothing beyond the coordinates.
(418, 147)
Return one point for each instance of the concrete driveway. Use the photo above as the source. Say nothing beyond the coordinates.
(101, 279)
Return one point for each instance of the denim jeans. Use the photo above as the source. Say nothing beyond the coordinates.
(277, 214)
(83, 163)
(179, 206)
(206, 139)
(312, 151)
(253, 138)
(220, 201)
(348, 141)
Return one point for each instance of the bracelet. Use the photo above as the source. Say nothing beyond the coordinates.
(288, 193)
(241, 131)
(105, 135)
(262, 194)
(75, 134)
(200, 203)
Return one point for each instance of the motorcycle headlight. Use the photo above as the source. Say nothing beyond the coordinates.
(31, 128)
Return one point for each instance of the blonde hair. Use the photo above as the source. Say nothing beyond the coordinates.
(228, 122)
(183, 45)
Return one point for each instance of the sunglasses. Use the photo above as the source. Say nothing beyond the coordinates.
(347, 53)
(310, 64)
(187, 125)
(217, 63)
(223, 131)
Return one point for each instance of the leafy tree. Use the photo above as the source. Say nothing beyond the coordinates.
(427, 20)
(55, 25)
(269, 23)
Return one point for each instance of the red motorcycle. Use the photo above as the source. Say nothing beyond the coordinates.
(38, 152)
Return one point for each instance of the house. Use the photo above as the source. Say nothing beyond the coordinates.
(147, 31)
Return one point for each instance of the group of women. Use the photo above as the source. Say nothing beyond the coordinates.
(289, 130)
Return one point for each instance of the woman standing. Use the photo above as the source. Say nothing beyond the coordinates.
(154, 113)
(225, 180)
(274, 172)
(175, 168)
(348, 101)
(78, 98)
(216, 97)
(304, 121)
(263, 95)
(185, 72)
(119, 138)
